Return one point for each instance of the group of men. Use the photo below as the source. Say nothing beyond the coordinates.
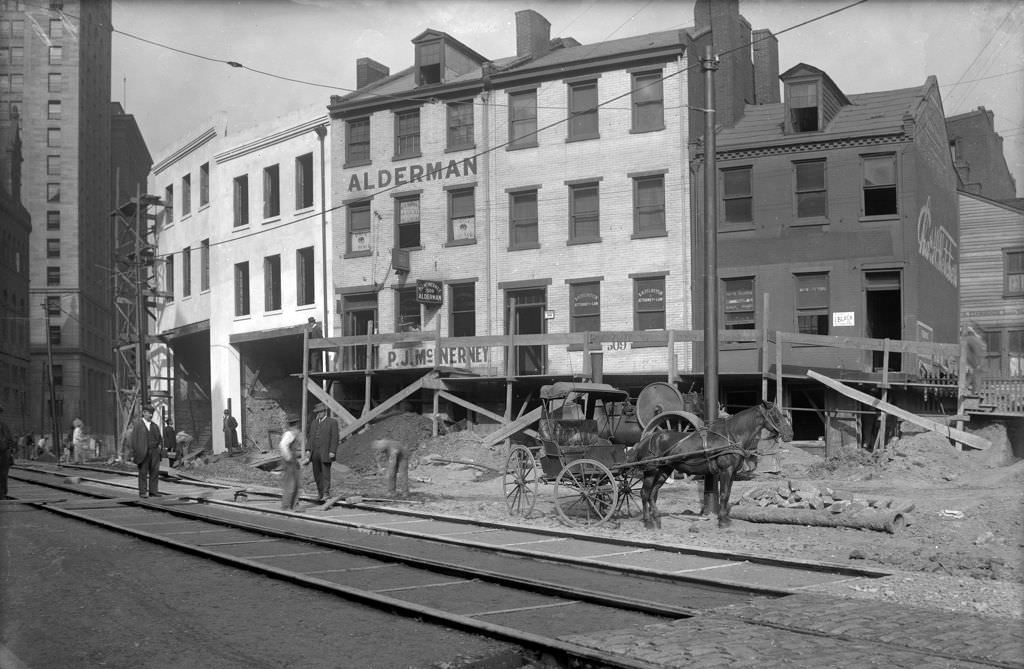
(321, 444)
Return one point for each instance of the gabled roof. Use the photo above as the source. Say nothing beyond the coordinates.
(430, 34)
(803, 70)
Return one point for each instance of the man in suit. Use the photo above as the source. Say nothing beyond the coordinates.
(322, 442)
(145, 441)
(230, 435)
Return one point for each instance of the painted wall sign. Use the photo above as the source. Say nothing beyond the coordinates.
(409, 174)
(842, 319)
(450, 356)
(429, 292)
(936, 245)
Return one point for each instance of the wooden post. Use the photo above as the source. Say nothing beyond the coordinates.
(778, 368)
(880, 440)
(434, 418)
(961, 382)
(673, 366)
(366, 371)
(305, 378)
(764, 349)
(588, 372)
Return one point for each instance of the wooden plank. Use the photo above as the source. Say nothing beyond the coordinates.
(366, 418)
(331, 403)
(478, 409)
(869, 344)
(509, 429)
(971, 440)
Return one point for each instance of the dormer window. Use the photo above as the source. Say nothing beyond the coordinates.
(428, 63)
(802, 101)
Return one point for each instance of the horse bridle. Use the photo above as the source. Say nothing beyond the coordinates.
(772, 424)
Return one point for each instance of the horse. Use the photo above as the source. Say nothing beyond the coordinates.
(718, 451)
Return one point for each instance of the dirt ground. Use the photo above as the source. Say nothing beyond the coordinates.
(962, 550)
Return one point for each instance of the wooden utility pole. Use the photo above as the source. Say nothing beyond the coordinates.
(708, 65)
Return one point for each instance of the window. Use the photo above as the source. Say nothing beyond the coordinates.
(407, 133)
(738, 304)
(812, 304)
(460, 125)
(186, 195)
(649, 205)
(169, 277)
(304, 181)
(56, 28)
(242, 289)
(879, 185)
(428, 62)
(523, 231)
(52, 248)
(271, 191)
(463, 310)
(649, 303)
(17, 55)
(57, 371)
(53, 136)
(803, 107)
(56, 55)
(1013, 272)
(186, 271)
(53, 305)
(53, 276)
(737, 200)
(53, 110)
(54, 82)
(811, 193)
(204, 265)
(53, 220)
(583, 213)
(462, 214)
(305, 286)
(522, 119)
(241, 194)
(359, 228)
(272, 283)
(204, 184)
(357, 141)
(168, 204)
(55, 338)
(53, 192)
(53, 166)
(407, 313)
(407, 209)
(17, 83)
(583, 110)
(585, 307)
(1015, 352)
(648, 102)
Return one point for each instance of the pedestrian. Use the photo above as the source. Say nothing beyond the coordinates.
(79, 441)
(7, 446)
(398, 465)
(291, 448)
(230, 436)
(322, 442)
(169, 441)
(145, 441)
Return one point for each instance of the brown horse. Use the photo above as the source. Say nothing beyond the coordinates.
(718, 452)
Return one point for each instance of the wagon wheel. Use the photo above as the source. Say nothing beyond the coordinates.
(631, 482)
(676, 421)
(585, 493)
(520, 482)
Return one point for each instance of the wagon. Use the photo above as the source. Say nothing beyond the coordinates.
(584, 432)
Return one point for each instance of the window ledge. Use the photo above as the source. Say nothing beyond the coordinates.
(273, 312)
(736, 228)
(272, 219)
(411, 248)
(524, 247)
(306, 208)
(884, 217)
(243, 317)
(582, 240)
(467, 147)
(244, 227)
(185, 217)
(358, 163)
(459, 242)
(204, 206)
(358, 254)
(738, 346)
(651, 234)
(809, 222)
(532, 145)
(305, 307)
(637, 131)
(582, 138)
(409, 156)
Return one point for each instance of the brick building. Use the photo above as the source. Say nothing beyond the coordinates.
(15, 228)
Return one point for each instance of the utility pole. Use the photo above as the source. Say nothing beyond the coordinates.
(54, 421)
(709, 64)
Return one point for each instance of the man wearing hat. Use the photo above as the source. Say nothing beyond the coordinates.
(230, 436)
(322, 441)
(7, 445)
(145, 441)
(290, 447)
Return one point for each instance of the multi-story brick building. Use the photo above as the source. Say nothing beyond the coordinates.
(15, 228)
(55, 81)
(241, 267)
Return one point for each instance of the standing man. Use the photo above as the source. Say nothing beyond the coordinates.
(170, 443)
(145, 441)
(78, 441)
(7, 445)
(322, 441)
(230, 436)
(291, 447)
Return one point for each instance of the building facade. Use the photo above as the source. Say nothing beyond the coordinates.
(55, 80)
(15, 229)
(241, 269)
(977, 151)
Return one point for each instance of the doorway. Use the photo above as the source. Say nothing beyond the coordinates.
(884, 310)
(359, 318)
(525, 310)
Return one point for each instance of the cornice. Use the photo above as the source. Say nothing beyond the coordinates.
(826, 145)
(270, 140)
(198, 141)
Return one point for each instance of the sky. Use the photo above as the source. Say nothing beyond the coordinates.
(973, 47)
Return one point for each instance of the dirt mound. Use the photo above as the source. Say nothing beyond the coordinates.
(356, 452)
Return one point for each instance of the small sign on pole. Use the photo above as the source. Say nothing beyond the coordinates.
(429, 292)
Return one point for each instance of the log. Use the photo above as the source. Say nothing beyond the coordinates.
(882, 520)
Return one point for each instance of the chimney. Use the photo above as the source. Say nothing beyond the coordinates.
(533, 34)
(766, 68)
(369, 71)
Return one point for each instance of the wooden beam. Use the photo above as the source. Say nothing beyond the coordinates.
(971, 440)
(509, 429)
(365, 419)
(480, 410)
(330, 402)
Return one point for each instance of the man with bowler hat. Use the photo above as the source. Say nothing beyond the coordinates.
(145, 441)
(322, 442)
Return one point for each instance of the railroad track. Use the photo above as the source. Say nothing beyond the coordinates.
(537, 589)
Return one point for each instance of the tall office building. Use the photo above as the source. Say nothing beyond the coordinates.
(55, 86)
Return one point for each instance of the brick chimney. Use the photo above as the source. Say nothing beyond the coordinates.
(369, 71)
(766, 67)
(533, 34)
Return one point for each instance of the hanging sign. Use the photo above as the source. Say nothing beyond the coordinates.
(429, 292)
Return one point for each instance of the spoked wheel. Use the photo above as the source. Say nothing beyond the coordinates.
(675, 421)
(586, 493)
(520, 482)
(629, 504)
